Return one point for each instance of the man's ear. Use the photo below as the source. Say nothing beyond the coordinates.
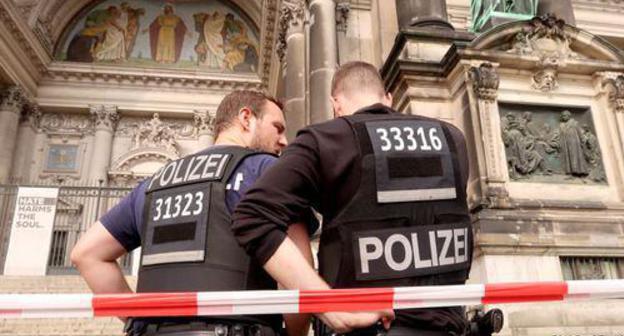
(387, 99)
(244, 117)
(336, 107)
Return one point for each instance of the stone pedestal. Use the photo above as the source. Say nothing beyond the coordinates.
(292, 15)
(11, 103)
(323, 58)
(561, 8)
(106, 117)
(422, 13)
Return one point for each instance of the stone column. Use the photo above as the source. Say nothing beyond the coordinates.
(612, 86)
(12, 101)
(291, 50)
(561, 8)
(204, 123)
(26, 142)
(482, 83)
(105, 121)
(323, 58)
(422, 13)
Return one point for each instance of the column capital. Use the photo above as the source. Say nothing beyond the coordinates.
(31, 115)
(13, 99)
(292, 14)
(105, 117)
(204, 122)
(613, 83)
(485, 80)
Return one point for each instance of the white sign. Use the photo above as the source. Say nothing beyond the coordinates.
(31, 231)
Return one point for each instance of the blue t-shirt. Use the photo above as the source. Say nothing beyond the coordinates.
(124, 220)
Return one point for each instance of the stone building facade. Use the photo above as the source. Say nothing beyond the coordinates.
(539, 97)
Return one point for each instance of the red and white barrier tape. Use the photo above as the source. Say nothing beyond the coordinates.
(278, 302)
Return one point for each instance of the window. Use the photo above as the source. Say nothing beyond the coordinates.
(592, 268)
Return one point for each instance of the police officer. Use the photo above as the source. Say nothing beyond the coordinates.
(181, 219)
(392, 192)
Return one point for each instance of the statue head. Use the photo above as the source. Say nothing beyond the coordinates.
(527, 115)
(566, 115)
(168, 9)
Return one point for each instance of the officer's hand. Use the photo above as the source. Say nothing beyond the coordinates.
(341, 322)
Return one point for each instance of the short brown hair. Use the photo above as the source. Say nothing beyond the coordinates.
(357, 76)
(237, 100)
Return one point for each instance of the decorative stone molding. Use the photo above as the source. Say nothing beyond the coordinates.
(108, 75)
(614, 83)
(13, 99)
(31, 115)
(105, 117)
(155, 134)
(183, 128)
(292, 15)
(22, 40)
(546, 39)
(342, 15)
(74, 124)
(204, 122)
(486, 81)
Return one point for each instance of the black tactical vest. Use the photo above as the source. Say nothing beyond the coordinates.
(408, 223)
(187, 243)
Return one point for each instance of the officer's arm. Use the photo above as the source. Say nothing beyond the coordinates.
(95, 256)
(299, 324)
(289, 267)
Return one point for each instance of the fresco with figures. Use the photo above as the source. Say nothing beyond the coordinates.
(210, 34)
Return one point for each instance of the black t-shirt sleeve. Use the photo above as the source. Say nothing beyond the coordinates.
(282, 195)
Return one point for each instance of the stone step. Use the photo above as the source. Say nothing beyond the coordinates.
(55, 327)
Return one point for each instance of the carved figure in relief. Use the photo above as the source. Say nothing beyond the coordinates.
(568, 140)
(592, 155)
(522, 154)
(567, 150)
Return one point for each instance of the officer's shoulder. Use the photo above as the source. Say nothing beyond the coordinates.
(329, 126)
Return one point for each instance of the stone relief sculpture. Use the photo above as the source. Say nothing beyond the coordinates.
(155, 133)
(555, 151)
(545, 38)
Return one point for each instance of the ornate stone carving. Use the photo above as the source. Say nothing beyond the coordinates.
(545, 80)
(23, 40)
(614, 82)
(486, 81)
(12, 99)
(31, 114)
(342, 15)
(291, 15)
(53, 123)
(105, 116)
(204, 122)
(545, 38)
(551, 149)
(155, 134)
